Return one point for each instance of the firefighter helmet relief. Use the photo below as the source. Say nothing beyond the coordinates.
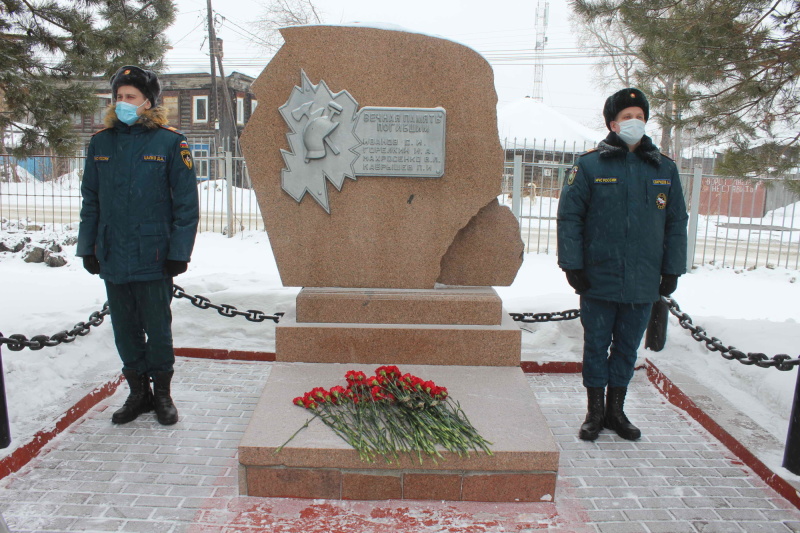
(321, 140)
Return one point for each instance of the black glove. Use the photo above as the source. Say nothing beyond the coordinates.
(578, 280)
(174, 268)
(669, 282)
(91, 264)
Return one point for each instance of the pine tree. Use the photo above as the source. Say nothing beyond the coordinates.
(735, 65)
(48, 46)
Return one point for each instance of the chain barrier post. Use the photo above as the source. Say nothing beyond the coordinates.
(791, 454)
(656, 335)
(5, 429)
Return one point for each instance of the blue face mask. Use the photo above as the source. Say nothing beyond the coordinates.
(631, 131)
(127, 113)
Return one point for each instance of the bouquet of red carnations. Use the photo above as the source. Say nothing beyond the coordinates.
(392, 413)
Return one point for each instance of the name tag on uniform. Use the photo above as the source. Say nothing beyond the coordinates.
(606, 180)
(155, 158)
(103, 158)
(662, 182)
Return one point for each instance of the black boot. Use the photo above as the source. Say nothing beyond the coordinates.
(594, 418)
(140, 399)
(166, 412)
(615, 416)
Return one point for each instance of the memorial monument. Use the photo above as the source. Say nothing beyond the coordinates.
(376, 162)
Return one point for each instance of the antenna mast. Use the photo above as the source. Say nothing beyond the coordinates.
(538, 52)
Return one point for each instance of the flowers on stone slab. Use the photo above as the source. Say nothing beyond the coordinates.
(391, 413)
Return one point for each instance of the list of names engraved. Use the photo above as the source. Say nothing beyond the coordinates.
(401, 142)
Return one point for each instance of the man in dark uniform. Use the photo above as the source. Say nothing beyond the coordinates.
(138, 225)
(622, 243)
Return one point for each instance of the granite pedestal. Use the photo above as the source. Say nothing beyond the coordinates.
(318, 464)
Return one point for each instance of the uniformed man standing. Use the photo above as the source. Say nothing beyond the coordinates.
(138, 225)
(622, 243)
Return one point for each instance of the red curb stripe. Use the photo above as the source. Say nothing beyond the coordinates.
(25, 453)
(678, 398)
(224, 355)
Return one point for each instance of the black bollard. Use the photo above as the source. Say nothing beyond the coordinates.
(5, 429)
(791, 454)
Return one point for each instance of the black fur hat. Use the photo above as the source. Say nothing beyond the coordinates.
(624, 99)
(144, 80)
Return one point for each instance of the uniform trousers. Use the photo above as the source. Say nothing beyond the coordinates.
(142, 322)
(618, 325)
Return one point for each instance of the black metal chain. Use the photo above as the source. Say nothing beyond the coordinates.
(226, 310)
(16, 343)
(780, 361)
(570, 314)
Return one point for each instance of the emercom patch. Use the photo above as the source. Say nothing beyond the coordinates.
(606, 180)
(572, 173)
(187, 158)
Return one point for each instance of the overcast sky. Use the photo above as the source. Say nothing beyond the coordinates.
(502, 30)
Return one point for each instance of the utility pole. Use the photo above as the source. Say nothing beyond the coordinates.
(212, 44)
(215, 46)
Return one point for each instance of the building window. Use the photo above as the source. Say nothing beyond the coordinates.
(103, 101)
(240, 110)
(172, 105)
(253, 105)
(200, 157)
(200, 109)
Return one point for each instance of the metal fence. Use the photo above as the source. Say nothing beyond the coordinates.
(742, 223)
(43, 192)
(739, 223)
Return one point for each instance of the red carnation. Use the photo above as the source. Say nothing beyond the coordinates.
(354, 377)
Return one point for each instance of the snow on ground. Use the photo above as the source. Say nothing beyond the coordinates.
(755, 311)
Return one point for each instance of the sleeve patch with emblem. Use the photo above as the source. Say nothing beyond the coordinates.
(187, 158)
(572, 173)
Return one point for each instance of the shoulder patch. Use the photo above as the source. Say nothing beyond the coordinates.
(173, 130)
(571, 177)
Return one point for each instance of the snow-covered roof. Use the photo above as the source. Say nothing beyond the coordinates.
(527, 122)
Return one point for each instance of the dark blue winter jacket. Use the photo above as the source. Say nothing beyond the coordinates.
(622, 219)
(140, 204)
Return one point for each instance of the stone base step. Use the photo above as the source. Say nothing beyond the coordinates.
(449, 305)
(318, 464)
(419, 344)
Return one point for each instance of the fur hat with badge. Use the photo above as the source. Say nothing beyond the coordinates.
(144, 80)
(629, 97)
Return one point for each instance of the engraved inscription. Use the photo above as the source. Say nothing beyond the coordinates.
(400, 142)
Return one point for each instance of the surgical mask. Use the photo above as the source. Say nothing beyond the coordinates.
(127, 112)
(631, 131)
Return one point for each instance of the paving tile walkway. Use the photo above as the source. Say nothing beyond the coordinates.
(97, 477)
